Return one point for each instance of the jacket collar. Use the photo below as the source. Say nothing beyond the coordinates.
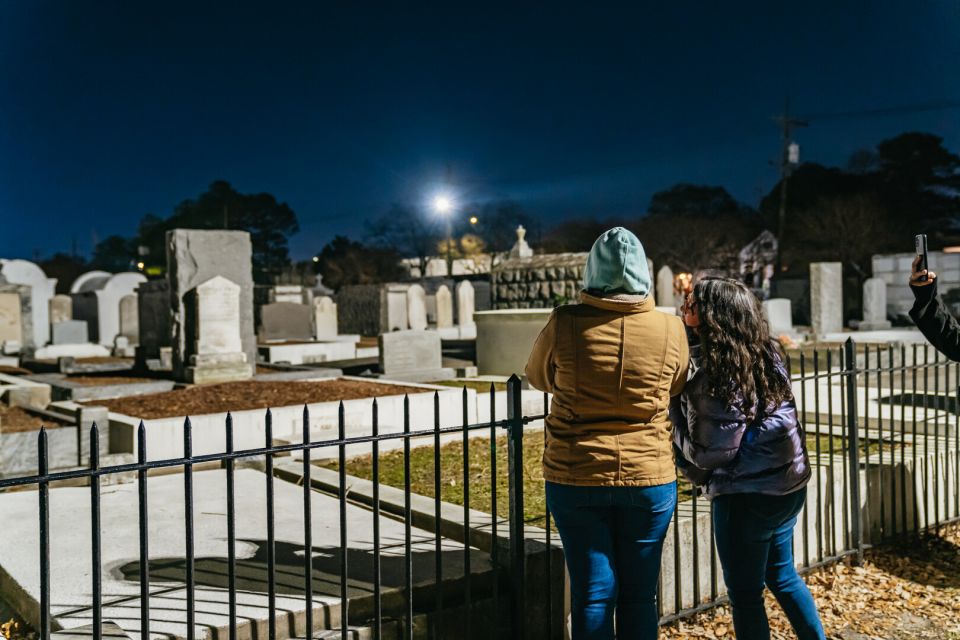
(619, 303)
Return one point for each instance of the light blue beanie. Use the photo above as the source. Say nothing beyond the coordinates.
(617, 264)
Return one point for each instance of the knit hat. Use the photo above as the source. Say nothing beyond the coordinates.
(617, 264)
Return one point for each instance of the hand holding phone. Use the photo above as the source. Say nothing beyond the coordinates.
(921, 275)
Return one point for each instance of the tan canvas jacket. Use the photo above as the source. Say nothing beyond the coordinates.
(612, 365)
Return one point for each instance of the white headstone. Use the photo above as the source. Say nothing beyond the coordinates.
(11, 327)
(826, 297)
(397, 309)
(42, 289)
(417, 307)
(874, 305)
(288, 293)
(325, 318)
(218, 317)
(409, 351)
(465, 304)
(444, 307)
(129, 319)
(665, 296)
(69, 332)
(779, 316)
(61, 309)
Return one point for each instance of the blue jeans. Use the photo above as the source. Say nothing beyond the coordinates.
(754, 534)
(612, 538)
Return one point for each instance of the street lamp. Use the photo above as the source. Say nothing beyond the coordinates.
(443, 205)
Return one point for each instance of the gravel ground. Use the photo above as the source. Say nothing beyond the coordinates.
(902, 592)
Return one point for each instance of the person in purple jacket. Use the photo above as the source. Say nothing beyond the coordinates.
(738, 438)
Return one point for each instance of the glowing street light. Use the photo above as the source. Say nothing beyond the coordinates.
(442, 204)
(473, 219)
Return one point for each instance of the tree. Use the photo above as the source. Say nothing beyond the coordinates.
(497, 223)
(65, 268)
(344, 261)
(576, 234)
(269, 223)
(115, 254)
(703, 200)
(406, 230)
(693, 242)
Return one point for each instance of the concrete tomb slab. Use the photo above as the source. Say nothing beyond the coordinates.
(70, 560)
(403, 352)
(282, 321)
(70, 332)
(874, 306)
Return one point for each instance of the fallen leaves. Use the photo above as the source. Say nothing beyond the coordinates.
(904, 592)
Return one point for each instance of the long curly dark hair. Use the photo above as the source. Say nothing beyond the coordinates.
(743, 365)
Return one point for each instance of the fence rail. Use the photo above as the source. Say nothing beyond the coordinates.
(881, 426)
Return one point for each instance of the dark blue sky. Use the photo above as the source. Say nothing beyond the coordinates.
(110, 110)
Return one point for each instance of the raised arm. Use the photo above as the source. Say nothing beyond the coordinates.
(932, 316)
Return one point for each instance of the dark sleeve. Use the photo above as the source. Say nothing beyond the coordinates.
(712, 434)
(935, 322)
(695, 475)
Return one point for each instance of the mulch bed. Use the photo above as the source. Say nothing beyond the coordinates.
(242, 396)
(17, 419)
(95, 381)
(14, 371)
(906, 591)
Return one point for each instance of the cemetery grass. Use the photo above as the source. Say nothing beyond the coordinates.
(422, 479)
(480, 386)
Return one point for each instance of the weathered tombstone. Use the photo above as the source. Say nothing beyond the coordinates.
(465, 304)
(874, 305)
(11, 327)
(779, 316)
(417, 307)
(444, 307)
(98, 302)
(282, 321)
(216, 348)
(826, 297)
(665, 295)
(17, 314)
(129, 318)
(396, 309)
(406, 352)
(324, 318)
(153, 320)
(70, 332)
(288, 293)
(194, 257)
(61, 309)
(42, 289)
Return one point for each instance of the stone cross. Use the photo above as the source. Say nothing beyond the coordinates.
(324, 318)
(826, 297)
(417, 307)
(444, 307)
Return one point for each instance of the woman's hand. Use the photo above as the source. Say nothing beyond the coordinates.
(918, 273)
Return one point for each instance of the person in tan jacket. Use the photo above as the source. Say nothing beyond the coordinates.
(612, 363)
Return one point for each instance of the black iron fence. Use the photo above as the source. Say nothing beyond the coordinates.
(882, 431)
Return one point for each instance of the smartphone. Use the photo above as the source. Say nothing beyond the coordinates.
(920, 240)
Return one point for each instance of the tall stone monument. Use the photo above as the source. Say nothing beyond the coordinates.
(826, 297)
(324, 318)
(129, 318)
(665, 296)
(417, 307)
(215, 349)
(11, 327)
(466, 304)
(193, 258)
(521, 249)
(874, 305)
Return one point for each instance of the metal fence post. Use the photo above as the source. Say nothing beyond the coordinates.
(853, 451)
(515, 466)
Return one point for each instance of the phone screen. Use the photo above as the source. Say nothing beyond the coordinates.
(921, 245)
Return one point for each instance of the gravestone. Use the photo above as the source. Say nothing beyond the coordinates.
(61, 309)
(397, 318)
(129, 319)
(216, 347)
(417, 307)
(283, 321)
(465, 304)
(153, 320)
(288, 293)
(98, 302)
(874, 305)
(194, 257)
(324, 318)
(409, 352)
(17, 314)
(779, 316)
(444, 303)
(11, 327)
(70, 332)
(42, 288)
(665, 295)
(826, 297)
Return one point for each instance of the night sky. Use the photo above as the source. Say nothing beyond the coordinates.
(111, 110)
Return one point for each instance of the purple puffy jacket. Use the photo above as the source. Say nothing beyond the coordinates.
(717, 448)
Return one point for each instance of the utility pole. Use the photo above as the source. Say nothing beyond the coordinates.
(789, 157)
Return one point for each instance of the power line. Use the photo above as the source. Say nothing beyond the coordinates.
(940, 105)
